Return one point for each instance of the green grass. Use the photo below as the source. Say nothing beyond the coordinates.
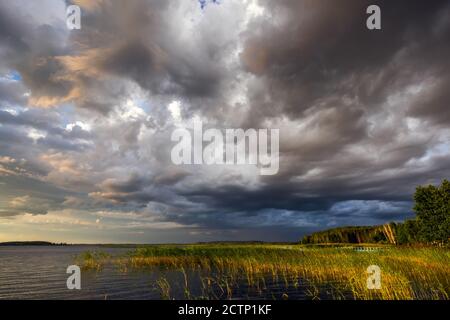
(93, 260)
(226, 271)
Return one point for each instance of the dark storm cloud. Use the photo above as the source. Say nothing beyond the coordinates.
(128, 41)
(434, 103)
(12, 31)
(323, 50)
(312, 60)
(132, 184)
(31, 50)
(363, 115)
(12, 93)
(139, 190)
(30, 195)
(55, 137)
(117, 42)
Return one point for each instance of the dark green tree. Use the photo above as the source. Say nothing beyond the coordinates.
(407, 232)
(432, 206)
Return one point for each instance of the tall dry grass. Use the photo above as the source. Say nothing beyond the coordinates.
(290, 271)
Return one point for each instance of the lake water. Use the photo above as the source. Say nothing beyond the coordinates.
(39, 272)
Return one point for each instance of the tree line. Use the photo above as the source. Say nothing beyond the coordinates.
(431, 225)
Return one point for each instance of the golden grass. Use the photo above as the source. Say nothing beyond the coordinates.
(312, 272)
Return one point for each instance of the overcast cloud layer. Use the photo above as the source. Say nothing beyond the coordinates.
(86, 116)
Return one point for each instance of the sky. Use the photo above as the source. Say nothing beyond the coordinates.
(86, 116)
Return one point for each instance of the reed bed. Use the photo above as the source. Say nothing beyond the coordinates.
(287, 271)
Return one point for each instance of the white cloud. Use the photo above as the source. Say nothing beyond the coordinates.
(175, 110)
(36, 134)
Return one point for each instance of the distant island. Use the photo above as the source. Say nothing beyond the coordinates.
(31, 243)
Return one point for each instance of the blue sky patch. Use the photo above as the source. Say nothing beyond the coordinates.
(204, 3)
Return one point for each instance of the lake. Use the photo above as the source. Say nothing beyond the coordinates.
(225, 272)
(39, 272)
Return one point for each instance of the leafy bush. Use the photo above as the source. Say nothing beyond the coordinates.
(432, 206)
(407, 232)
